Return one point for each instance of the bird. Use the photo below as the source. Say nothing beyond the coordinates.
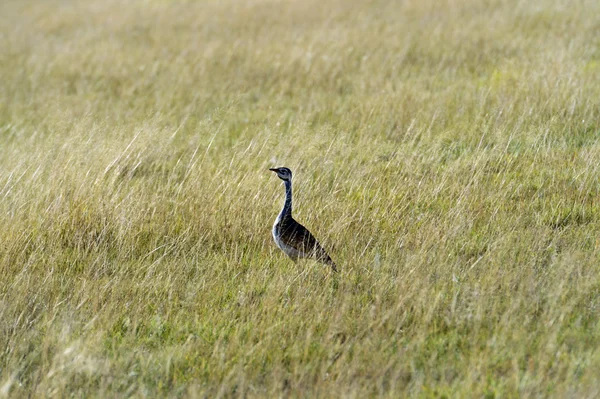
(290, 236)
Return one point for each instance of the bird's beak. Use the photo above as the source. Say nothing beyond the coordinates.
(273, 169)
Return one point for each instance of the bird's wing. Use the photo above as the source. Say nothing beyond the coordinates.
(298, 237)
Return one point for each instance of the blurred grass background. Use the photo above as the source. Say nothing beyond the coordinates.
(446, 152)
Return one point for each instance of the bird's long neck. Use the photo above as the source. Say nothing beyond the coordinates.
(287, 206)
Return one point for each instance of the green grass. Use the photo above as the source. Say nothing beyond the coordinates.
(447, 153)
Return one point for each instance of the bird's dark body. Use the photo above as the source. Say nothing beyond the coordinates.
(302, 240)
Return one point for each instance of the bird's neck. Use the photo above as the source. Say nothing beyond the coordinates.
(287, 206)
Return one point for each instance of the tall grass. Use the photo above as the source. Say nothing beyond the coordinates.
(446, 153)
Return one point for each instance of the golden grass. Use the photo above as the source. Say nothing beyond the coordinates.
(446, 152)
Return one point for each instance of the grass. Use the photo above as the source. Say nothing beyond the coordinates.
(447, 153)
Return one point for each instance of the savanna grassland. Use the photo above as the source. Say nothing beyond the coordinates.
(447, 153)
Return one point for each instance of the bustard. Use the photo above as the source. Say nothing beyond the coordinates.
(294, 239)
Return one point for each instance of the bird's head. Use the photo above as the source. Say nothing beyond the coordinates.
(283, 173)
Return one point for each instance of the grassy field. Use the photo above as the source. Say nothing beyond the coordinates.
(447, 153)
